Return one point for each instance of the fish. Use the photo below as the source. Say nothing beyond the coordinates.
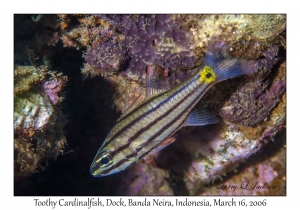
(151, 125)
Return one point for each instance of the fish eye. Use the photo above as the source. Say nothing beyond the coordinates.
(104, 159)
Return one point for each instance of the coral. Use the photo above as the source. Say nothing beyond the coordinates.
(32, 111)
(64, 21)
(147, 40)
(266, 26)
(51, 88)
(252, 102)
(107, 56)
(266, 173)
(176, 43)
(237, 31)
(27, 76)
(38, 133)
(92, 30)
(244, 185)
(145, 180)
(256, 177)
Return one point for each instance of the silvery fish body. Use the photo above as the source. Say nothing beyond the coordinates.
(150, 125)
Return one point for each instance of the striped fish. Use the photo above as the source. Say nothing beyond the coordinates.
(149, 126)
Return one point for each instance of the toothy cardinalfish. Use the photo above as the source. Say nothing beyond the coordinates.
(149, 126)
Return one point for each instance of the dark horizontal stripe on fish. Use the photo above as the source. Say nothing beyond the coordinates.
(167, 126)
(146, 113)
(134, 137)
(148, 126)
(156, 135)
(119, 163)
(155, 97)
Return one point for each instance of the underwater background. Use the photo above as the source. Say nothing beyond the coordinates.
(75, 74)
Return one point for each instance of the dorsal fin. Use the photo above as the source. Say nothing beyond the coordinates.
(154, 85)
(153, 75)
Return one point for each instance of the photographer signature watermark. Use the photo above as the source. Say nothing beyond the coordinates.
(245, 185)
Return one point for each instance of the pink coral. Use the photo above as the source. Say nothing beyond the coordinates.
(144, 179)
(51, 88)
(254, 182)
(266, 173)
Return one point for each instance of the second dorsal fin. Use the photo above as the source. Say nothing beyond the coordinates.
(155, 84)
(154, 76)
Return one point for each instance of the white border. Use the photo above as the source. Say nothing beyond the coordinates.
(8, 8)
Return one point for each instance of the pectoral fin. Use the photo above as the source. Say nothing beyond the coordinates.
(201, 117)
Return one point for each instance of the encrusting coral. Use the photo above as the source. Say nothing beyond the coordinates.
(147, 180)
(176, 43)
(264, 176)
(38, 123)
(252, 102)
(143, 40)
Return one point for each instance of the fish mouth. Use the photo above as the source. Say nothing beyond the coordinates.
(95, 170)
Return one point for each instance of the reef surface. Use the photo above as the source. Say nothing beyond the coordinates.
(105, 58)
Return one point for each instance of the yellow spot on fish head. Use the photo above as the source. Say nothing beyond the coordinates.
(207, 75)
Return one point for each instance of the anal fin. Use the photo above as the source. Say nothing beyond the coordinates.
(163, 144)
(201, 117)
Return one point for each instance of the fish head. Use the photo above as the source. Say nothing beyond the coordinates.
(110, 160)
